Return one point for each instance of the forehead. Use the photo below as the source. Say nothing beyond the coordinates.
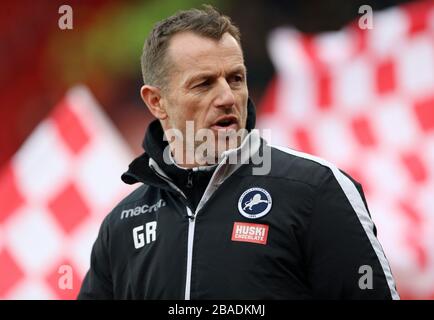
(191, 53)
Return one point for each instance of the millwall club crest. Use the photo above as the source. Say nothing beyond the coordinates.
(254, 203)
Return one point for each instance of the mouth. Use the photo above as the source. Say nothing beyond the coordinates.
(225, 123)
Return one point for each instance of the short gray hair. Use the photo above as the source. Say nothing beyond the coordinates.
(207, 22)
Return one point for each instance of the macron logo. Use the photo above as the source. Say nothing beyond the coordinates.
(142, 209)
(250, 232)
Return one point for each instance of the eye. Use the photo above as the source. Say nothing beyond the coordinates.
(237, 78)
(203, 84)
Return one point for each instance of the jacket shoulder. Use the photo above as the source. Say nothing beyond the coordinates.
(135, 197)
(298, 166)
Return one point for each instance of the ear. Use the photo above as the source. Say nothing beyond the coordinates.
(152, 98)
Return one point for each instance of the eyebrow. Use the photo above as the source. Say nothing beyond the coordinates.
(206, 74)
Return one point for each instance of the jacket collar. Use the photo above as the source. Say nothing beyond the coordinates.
(151, 169)
(230, 162)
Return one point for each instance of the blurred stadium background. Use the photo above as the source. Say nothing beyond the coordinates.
(72, 118)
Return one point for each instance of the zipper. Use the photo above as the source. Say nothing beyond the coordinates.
(191, 217)
(190, 178)
(191, 222)
(191, 225)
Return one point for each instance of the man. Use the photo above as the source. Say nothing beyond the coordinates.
(201, 226)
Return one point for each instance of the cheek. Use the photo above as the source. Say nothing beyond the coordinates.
(243, 103)
(176, 106)
(195, 109)
(174, 116)
(187, 110)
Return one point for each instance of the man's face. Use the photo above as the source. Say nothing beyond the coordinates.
(207, 84)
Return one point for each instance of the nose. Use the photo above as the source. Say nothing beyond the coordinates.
(225, 97)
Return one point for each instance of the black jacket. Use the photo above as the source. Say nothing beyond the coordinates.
(302, 231)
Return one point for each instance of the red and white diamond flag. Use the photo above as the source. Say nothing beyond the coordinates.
(54, 193)
(364, 99)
